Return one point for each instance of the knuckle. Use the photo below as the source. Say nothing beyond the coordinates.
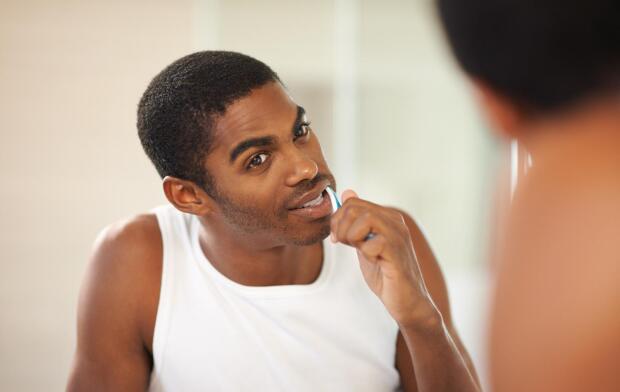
(346, 212)
(366, 216)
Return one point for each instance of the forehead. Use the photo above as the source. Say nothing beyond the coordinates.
(266, 110)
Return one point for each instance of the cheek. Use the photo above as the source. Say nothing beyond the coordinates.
(263, 194)
(315, 150)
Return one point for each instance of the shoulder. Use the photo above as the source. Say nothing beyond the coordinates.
(118, 244)
(558, 269)
(127, 252)
(563, 227)
(123, 276)
(117, 307)
(562, 215)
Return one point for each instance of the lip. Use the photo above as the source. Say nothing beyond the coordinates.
(316, 212)
(309, 196)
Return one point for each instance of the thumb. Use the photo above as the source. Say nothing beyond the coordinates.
(349, 193)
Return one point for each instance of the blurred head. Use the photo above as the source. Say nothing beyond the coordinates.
(533, 58)
(231, 145)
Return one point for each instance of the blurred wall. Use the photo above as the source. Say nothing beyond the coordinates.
(71, 75)
(392, 112)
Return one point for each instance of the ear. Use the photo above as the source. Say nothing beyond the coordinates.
(186, 196)
(504, 116)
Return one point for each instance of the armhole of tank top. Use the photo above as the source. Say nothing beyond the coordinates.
(164, 307)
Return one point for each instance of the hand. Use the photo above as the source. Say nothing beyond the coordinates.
(387, 259)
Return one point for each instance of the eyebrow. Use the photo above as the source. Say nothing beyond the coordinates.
(265, 140)
(249, 143)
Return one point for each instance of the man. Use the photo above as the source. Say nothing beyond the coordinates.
(548, 74)
(231, 286)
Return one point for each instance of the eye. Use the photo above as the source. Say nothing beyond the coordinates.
(303, 130)
(257, 160)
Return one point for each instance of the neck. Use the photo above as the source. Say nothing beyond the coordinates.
(582, 133)
(251, 263)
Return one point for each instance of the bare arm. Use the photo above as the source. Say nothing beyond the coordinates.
(444, 345)
(391, 269)
(112, 353)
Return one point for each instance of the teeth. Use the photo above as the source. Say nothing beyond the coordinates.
(314, 202)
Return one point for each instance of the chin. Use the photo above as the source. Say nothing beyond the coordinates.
(312, 238)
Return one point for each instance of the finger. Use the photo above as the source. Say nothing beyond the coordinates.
(360, 229)
(349, 193)
(343, 211)
(374, 248)
(379, 247)
(348, 217)
(387, 245)
(353, 207)
(360, 224)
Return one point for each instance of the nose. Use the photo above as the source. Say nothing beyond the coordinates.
(302, 168)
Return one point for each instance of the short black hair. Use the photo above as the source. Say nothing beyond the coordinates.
(541, 54)
(177, 111)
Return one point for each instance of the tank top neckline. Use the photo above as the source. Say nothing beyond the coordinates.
(267, 292)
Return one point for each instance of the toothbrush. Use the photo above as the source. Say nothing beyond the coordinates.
(336, 203)
(334, 199)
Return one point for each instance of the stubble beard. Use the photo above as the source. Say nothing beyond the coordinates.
(248, 221)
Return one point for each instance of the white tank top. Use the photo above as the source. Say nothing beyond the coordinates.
(213, 334)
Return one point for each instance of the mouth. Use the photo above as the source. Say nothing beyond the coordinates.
(313, 205)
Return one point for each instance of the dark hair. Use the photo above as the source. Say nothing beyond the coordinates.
(541, 54)
(176, 112)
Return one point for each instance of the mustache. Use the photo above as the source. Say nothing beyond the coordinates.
(307, 185)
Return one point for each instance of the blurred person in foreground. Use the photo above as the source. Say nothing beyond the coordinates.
(547, 73)
(232, 286)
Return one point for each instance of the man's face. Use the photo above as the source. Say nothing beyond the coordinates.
(267, 165)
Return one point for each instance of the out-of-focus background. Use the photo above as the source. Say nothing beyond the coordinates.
(393, 112)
